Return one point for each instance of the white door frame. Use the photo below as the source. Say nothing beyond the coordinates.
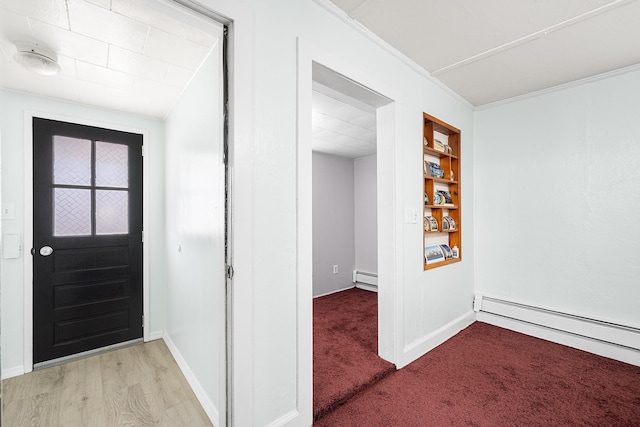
(237, 393)
(390, 273)
(28, 220)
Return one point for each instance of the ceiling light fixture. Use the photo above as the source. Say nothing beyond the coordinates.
(37, 59)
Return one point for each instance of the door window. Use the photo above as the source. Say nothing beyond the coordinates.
(90, 186)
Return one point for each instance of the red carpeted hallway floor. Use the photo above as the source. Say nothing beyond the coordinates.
(488, 376)
(345, 348)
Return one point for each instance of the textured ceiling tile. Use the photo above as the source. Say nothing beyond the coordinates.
(205, 38)
(105, 4)
(572, 53)
(325, 104)
(67, 66)
(112, 28)
(53, 12)
(358, 133)
(125, 80)
(156, 90)
(327, 135)
(335, 130)
(59, 86)
(14, 27)
(437, 34)
(71, 44)
(174, 50)
(348, 113)
(135, 101)
(137, 64)
(367, 122)
(318, 118)
(178, 76)
(104, 76)
(335, 124)
(141, 11)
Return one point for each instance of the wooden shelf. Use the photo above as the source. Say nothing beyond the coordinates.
(435, 129)
(441, 206)
(442, 263)
(436, 153)
(442, 180)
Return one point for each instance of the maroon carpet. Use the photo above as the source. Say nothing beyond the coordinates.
(345, 348)
(488, 376)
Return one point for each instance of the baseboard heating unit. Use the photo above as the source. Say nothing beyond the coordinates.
(620, 342)
(366, 281)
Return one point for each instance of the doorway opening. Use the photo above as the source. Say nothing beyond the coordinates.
(345, 239)
(87, 239)
(216, 149)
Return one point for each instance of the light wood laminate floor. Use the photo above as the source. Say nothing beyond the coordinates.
(139, 385)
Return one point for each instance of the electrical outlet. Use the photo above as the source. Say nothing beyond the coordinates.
(335, 269)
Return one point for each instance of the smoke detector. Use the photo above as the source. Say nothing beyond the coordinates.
(37, 59)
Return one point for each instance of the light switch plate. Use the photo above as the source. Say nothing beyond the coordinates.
(10, 246)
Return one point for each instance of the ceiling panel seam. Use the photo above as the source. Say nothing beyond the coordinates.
(66, 6)
(534, 36)
(344, 17)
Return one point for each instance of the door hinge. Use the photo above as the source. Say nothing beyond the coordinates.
(142, 149)
(142, 236)
(143, 320)
(229, 272)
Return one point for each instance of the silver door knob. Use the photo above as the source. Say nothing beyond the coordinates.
(46, 250)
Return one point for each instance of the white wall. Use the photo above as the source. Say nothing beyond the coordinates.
(333, 223)
(428, 300)
(558, 195)
(194, 228)
(366, 214)
(12, 108)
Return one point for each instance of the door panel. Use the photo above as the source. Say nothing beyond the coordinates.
(87, 293)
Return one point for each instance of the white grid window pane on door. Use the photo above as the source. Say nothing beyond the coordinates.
(71, 161)
(72, 212)
(112, 161)
(112, 212)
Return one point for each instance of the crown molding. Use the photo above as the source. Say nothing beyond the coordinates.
(563, 86)
(344, 17)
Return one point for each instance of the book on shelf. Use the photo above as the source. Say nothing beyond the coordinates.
(433, 254)
(446, 250)
(430, 223)
(433, 169)
(448, 223)
(438, 145)
(445, 197)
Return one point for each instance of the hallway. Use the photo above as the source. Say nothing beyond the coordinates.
(139, 385)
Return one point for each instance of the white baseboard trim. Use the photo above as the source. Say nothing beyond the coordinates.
(365, 278)
(290, 418)
(606, 339)
(367, 287)
(204, 400)
(16, 371)
(427, 343)
(334, 292)
(156, 335)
